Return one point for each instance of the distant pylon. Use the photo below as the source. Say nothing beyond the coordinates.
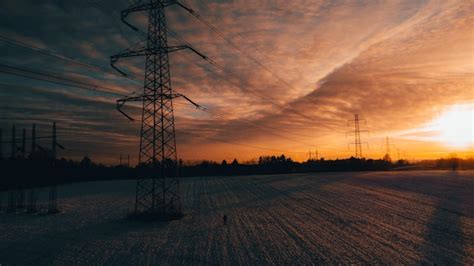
(157, 192)
(357, 139)
(313, 155)
(387, 149)
(358, 143)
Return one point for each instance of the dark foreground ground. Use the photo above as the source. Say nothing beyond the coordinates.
(377, 217)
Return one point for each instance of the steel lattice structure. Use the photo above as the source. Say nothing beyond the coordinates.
(357, 139)
(157, 190)
(358, 143)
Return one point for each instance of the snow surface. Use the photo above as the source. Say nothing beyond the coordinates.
(367, 217)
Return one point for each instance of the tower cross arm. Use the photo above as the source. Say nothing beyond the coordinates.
(137, 8)
(127, 53)
(144, 7)
(146, 51)
(182, 47)
(121, 102)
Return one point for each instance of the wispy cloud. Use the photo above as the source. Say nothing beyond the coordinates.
(396, 63)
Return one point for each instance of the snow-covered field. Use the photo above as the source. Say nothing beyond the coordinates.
(377, 217)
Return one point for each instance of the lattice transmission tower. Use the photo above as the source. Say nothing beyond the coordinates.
(357, 139)
(157, 190)
(387, 155)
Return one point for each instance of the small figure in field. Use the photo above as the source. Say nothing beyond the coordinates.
(224, 219)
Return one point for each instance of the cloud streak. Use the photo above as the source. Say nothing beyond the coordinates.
(396, 63)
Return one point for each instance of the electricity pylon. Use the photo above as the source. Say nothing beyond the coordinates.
(157, 193)
(315, 157)
(387, 149)
(357, 139)
(388, 156)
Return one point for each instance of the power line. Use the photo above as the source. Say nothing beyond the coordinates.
(231, 43)
(63, 57)
(83, 151)
(210, 60)
(237, 47)
(226, 71)
(249, 146)
(108, 91)
(42, 76)
(244, 83)
(266, 128)
(217, 65)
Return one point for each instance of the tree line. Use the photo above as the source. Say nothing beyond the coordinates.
(37, 172)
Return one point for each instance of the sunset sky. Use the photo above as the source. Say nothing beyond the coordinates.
(406, 67)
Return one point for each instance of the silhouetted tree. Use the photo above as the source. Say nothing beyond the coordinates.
(86, 162)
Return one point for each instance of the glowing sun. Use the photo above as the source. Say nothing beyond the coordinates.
(455, 126)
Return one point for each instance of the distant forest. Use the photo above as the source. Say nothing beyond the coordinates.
(37, 172)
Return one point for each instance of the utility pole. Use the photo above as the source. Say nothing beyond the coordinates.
(357, 139)
(13, 151)
(33, 140)
(128, 161)
(12, 193)
(1, 143)
(157, 193)
(21, 191)
(53, 190)
(54, 142)
(309, 155)
(23, 144)
(32, 195)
